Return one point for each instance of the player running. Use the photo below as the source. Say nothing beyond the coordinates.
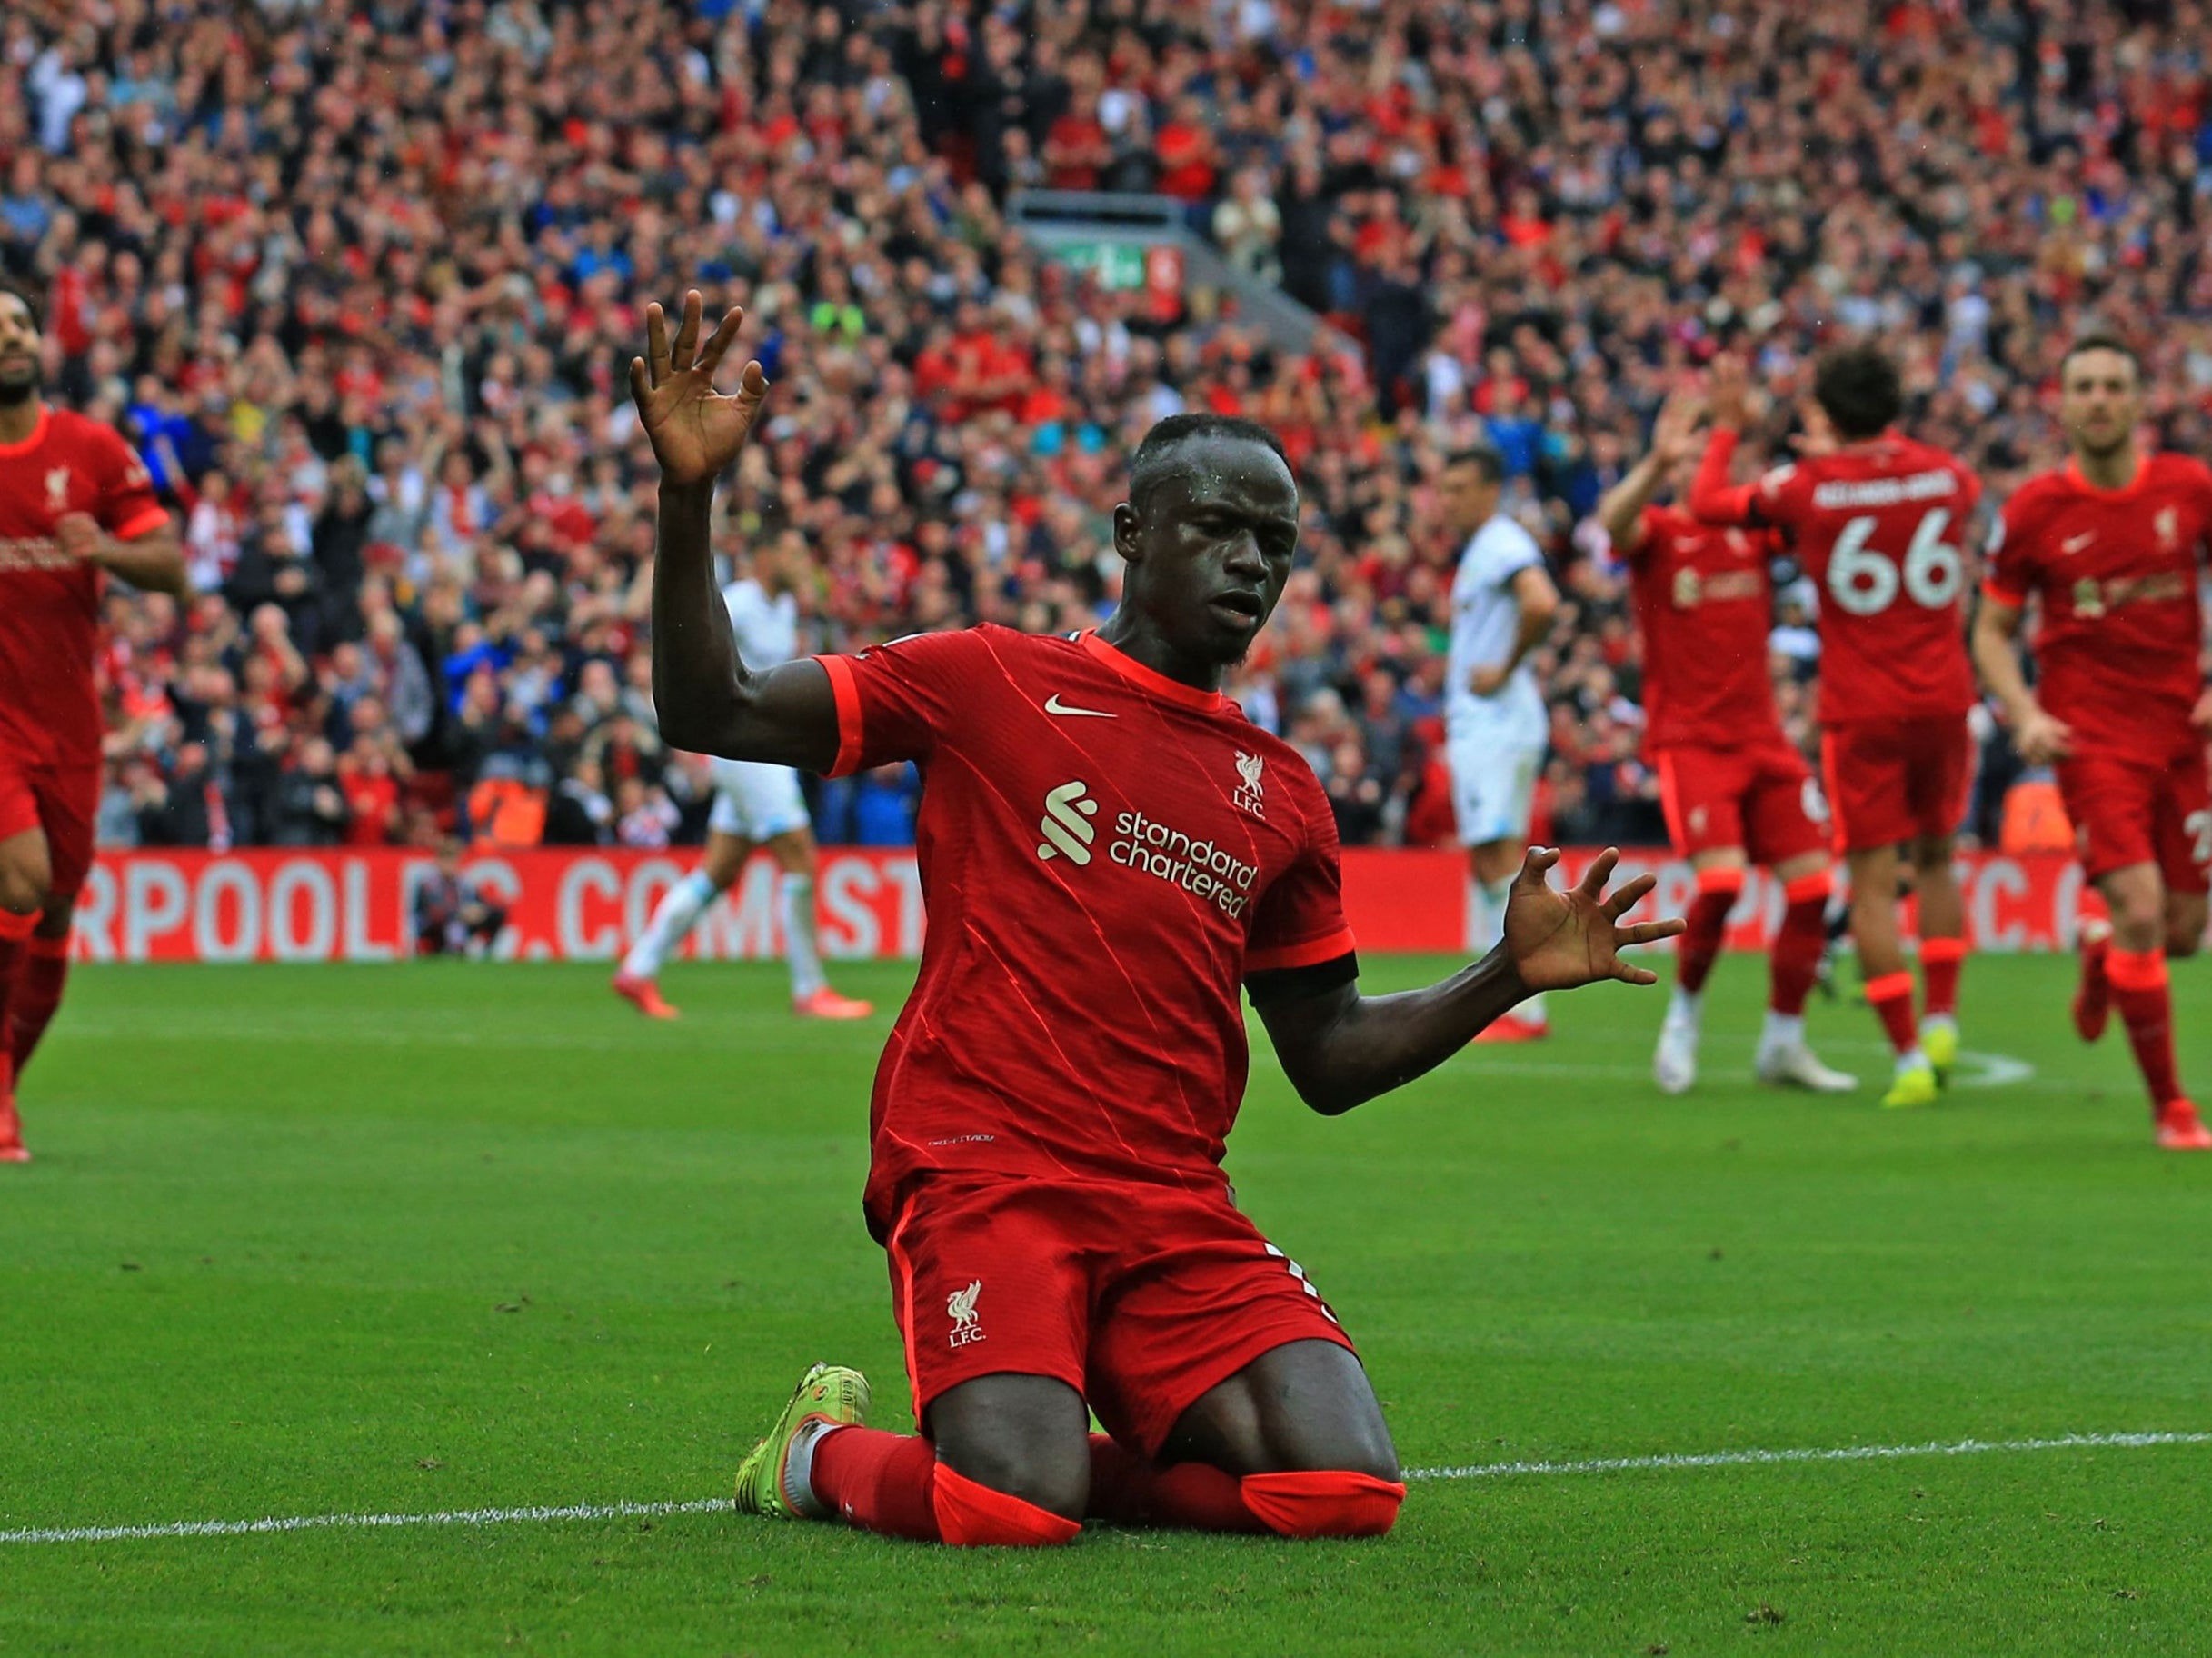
(1496, 731)
(1108, 849)
(1736, 791)
(754, 806)
(75, 502)
(1875, 518)
(2111, 546)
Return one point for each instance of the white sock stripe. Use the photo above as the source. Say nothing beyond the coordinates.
(1471, 1471)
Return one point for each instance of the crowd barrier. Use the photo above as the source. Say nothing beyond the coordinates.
(585, 904)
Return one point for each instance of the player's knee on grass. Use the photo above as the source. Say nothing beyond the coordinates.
(1024, 1437)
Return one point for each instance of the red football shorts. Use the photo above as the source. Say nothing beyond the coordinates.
(2128, 812)
(60, 799)
(1140, 1297)
(1760, 798)
(1896, 780)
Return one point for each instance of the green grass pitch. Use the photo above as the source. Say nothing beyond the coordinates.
(403, 1241)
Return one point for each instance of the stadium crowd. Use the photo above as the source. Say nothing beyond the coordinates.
(362, 278)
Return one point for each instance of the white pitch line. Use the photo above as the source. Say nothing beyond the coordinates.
(309, 1523)
(1472, 1471)
(1841, 1454)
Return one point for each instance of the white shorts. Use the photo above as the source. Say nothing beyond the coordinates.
(1493, 785)
(756, 802)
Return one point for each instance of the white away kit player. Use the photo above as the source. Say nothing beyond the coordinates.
(754, 806)
(1502, 602)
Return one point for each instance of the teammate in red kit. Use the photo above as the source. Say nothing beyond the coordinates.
(2110, 547)
(1876, 520)
(1108, 851)
(1736, 791)
(75, 502)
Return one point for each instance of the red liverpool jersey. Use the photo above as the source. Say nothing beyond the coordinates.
(1706, 605)
(1877, 526)
(2122, 625)
(1104, 854)
(50, 602)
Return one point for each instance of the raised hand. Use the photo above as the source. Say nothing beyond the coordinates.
(696, 431)
(1728, 391)
(1559, 940)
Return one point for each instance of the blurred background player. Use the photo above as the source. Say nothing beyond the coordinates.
(2109, 546)
(75, 502)
(754, 806)
(1735, 790)
(1876, 518)
(1502, 605)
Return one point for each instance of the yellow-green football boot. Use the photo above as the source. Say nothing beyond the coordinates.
(1940, 1041)
(773, 1481)
(1912, 1087)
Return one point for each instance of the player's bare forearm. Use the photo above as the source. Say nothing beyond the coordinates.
(152, 563)
(1620, 510)
(1997, 659)
(1342, 1049)
(708, 701)
(1539, 599)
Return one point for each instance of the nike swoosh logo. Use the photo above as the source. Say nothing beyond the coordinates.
(1052, 705)
(2074, 543)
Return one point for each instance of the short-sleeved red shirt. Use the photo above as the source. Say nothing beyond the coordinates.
(1705, 601)
(1104, 853)
(1877, 528)
(2116, 572)
(50, 602)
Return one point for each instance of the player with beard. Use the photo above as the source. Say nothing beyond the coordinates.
(75, 505)
(2111, 547)
(1109, 851)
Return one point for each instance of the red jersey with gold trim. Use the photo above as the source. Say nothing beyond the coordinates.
(2116, 573)
(1877, 528)
(1705, 601)
(50, 602)
(1104, 853)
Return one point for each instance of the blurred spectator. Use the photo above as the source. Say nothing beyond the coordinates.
(451, 917)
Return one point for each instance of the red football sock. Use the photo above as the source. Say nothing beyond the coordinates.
(971, 1517)
(1799, 943)
(1324, 1504)
(881, 1483)
(1940, 960)
(1718, 890)
(14, 932)
(1127, 1490)
(38, 992)
(1890, 998)
(2147, 1009)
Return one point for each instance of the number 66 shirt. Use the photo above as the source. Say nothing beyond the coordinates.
(1879, 526)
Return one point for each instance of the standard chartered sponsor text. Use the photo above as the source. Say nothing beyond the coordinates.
(1204, 869)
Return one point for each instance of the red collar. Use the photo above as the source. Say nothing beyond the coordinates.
(1147, 680)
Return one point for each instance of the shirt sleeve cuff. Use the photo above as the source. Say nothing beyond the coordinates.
(1326, 948)
(846, 689)
(145, 523)
(1994, 589)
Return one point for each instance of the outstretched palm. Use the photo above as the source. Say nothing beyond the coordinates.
(1559, 940)
(696, 431)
